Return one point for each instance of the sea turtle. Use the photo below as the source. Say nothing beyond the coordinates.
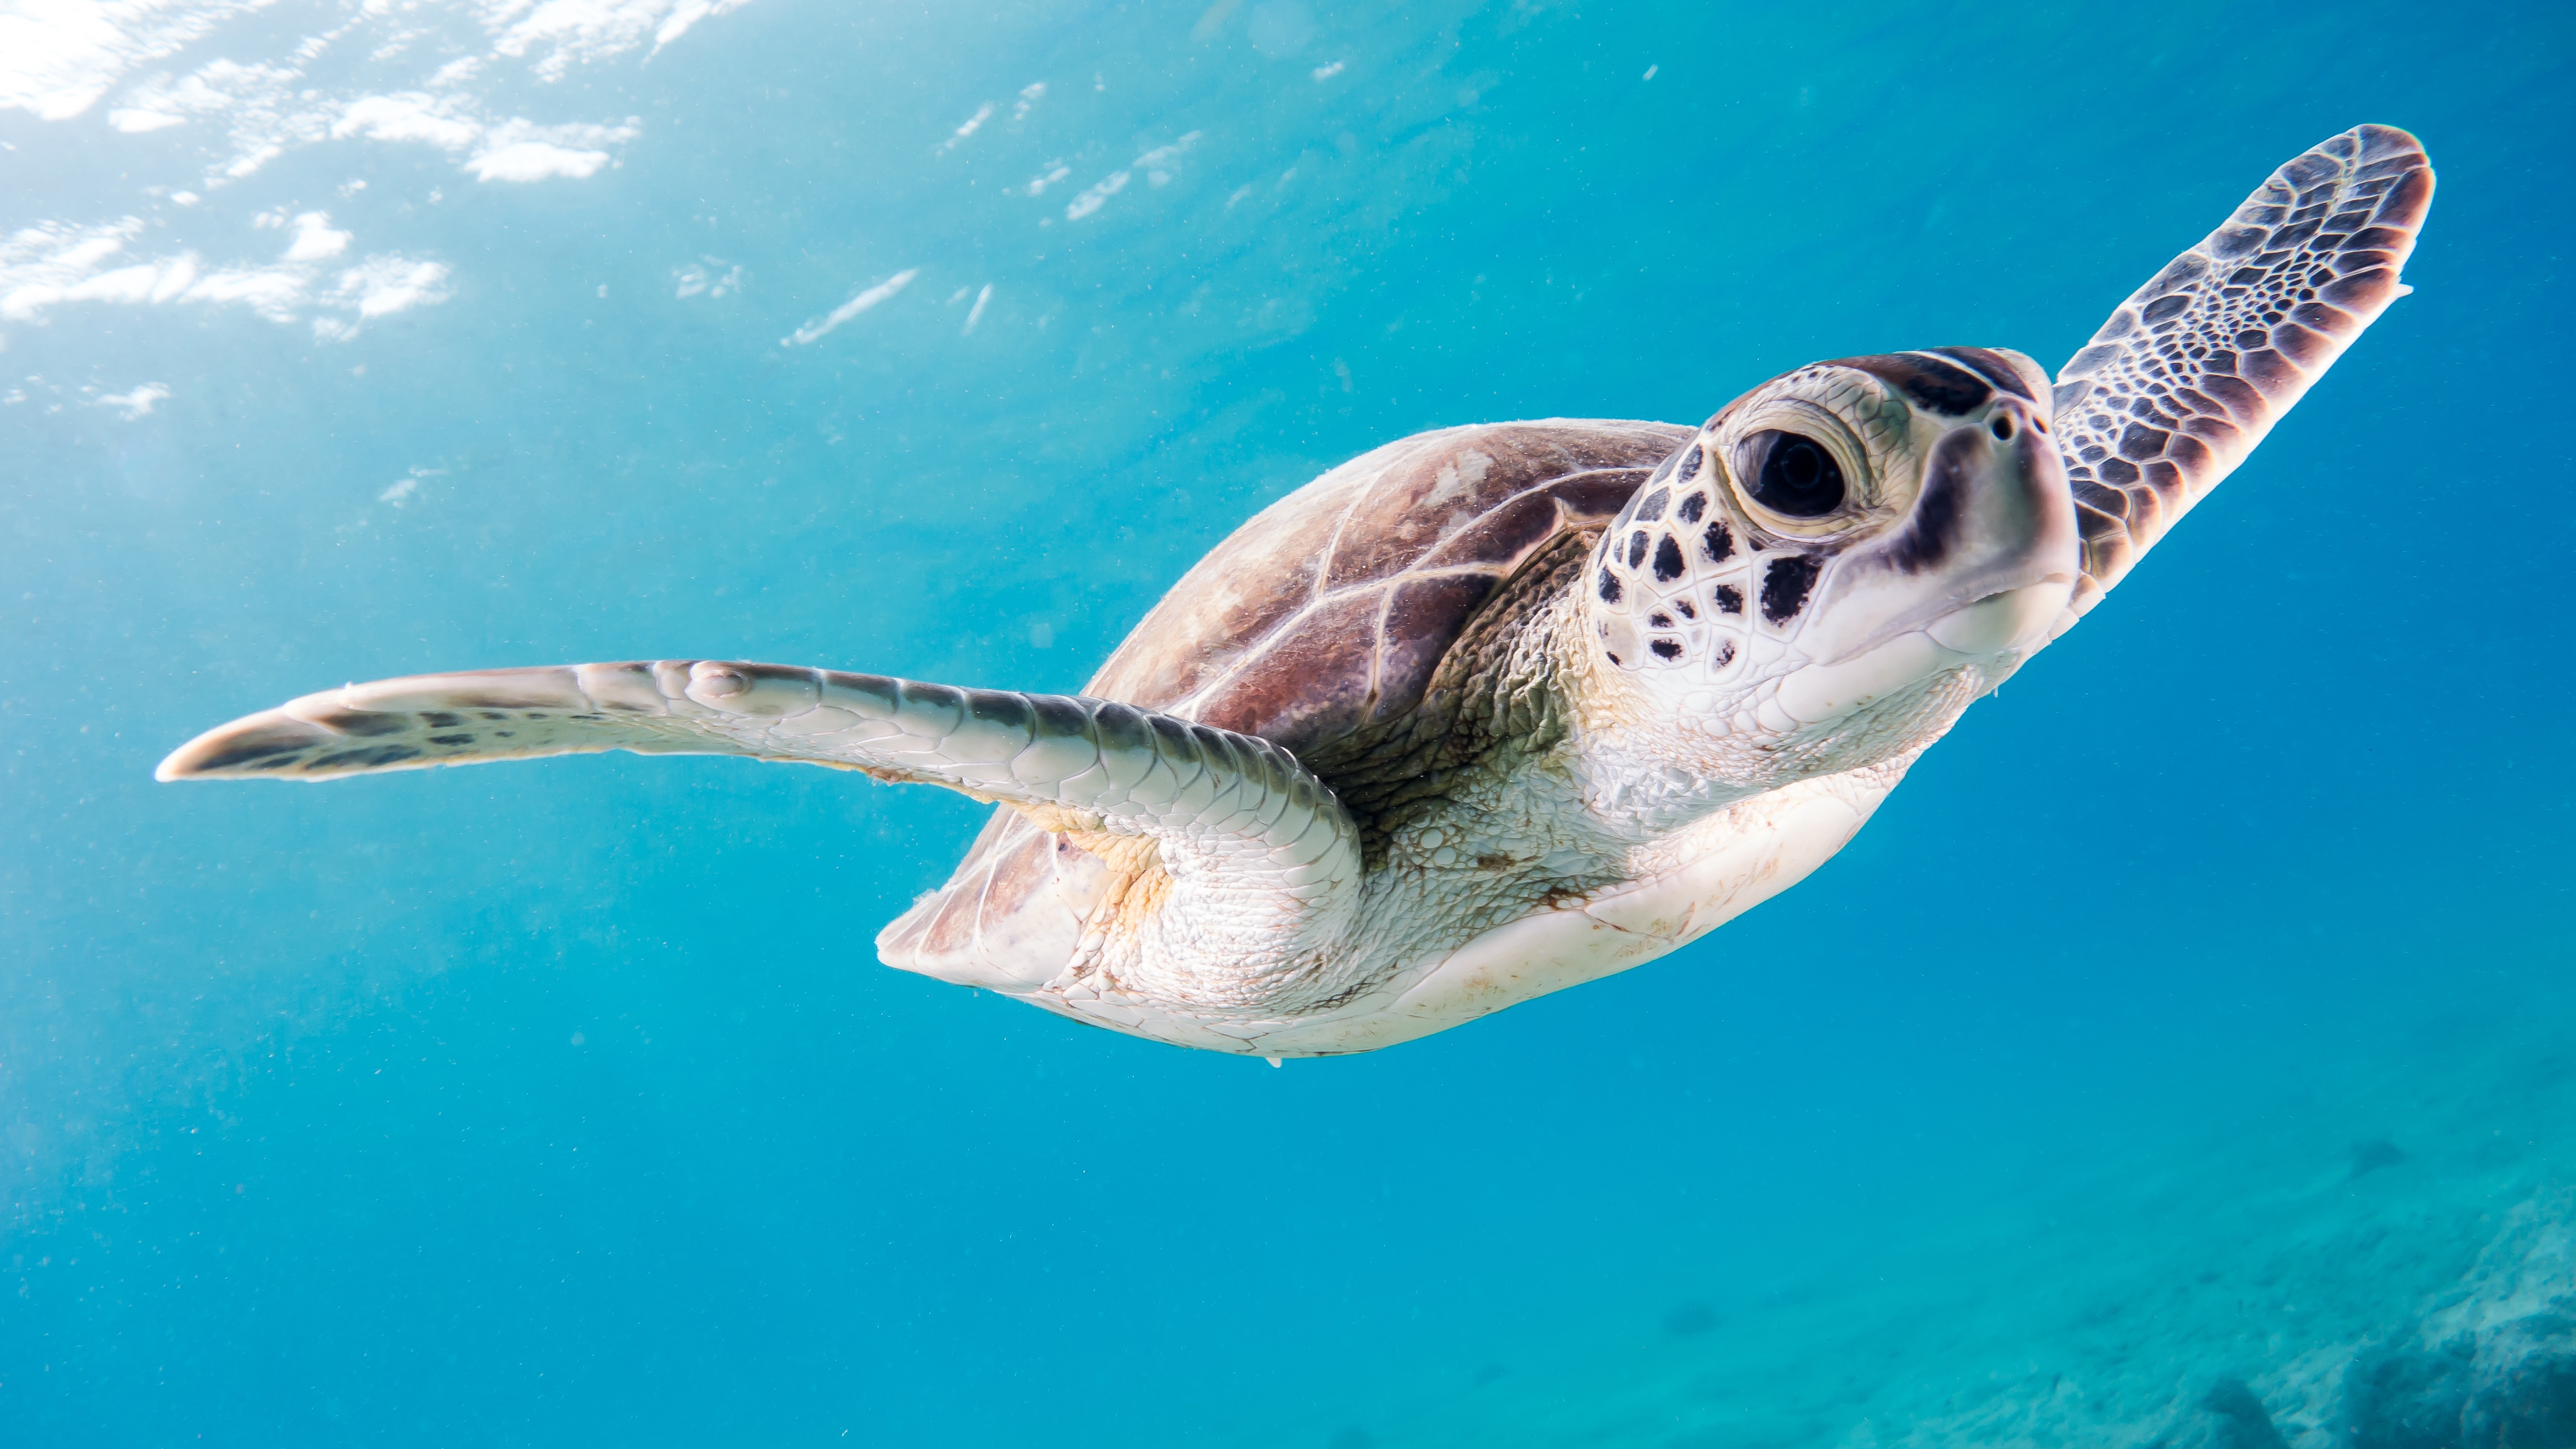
(1495, 710)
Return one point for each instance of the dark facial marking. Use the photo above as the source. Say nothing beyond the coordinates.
(1614, 659)
(1637, 548)
(1609, 587)
(1934, 528)
(1692, 507)
(1724, 654)
(1728, 598)
(1785, 585)
(1683, 608)
(1666, 649)
(1933, 382)
(1651, 507)
(1691, 461)
(1660, 620)
(1668, 559)
(1993, 367)
(1717, 543)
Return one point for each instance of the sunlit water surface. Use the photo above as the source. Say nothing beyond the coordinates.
(2198, 1015)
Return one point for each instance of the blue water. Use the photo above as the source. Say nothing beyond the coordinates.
(2200, 1012)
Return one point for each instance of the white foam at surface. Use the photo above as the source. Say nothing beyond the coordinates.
(315, 240)
(571, 32)
(699, 277)
(251, 160)
(49, 263)
(535, 161)
(137, 403)
(53, 264)
(457, 72)
(272, 292)
(972, 124)
(1095, 196)
(381, 286)
(135, 122)
(58, 57)
(1165, 155)
(408, 116)
(521, 150)
(1153, 162)
(686, 14)
(816, 328)
(376, 71)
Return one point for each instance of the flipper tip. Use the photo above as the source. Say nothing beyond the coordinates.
(266, 743)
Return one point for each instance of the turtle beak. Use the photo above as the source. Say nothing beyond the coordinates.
(2007, 561)
(1983, 564)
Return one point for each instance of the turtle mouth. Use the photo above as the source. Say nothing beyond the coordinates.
(2010, 614)
(1999, 627)
(2008, 621)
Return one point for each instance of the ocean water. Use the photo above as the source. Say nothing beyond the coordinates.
(2185, 1054)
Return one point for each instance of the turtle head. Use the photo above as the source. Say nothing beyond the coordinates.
(1839, 562)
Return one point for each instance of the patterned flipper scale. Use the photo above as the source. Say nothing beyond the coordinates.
(2194, 369)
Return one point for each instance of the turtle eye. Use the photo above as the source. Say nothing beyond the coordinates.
(1792, 474)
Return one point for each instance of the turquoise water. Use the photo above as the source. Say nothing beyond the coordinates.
(2198, 1014)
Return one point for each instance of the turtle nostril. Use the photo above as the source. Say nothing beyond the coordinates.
(2002, 426)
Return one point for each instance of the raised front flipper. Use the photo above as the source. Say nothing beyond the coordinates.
(2194, 369)
(1230, 815)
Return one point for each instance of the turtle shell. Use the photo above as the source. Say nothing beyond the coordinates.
(1323, 616)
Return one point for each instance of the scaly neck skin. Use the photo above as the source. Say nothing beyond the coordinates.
(1647, 765)
(1634, 770)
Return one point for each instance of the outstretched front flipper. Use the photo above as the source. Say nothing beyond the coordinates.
(1228, 813)
(2194, 369)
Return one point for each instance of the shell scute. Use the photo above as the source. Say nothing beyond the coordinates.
(1316, 680)
(1510, 531)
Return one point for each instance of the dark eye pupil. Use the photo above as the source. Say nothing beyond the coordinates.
(1797, 477)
